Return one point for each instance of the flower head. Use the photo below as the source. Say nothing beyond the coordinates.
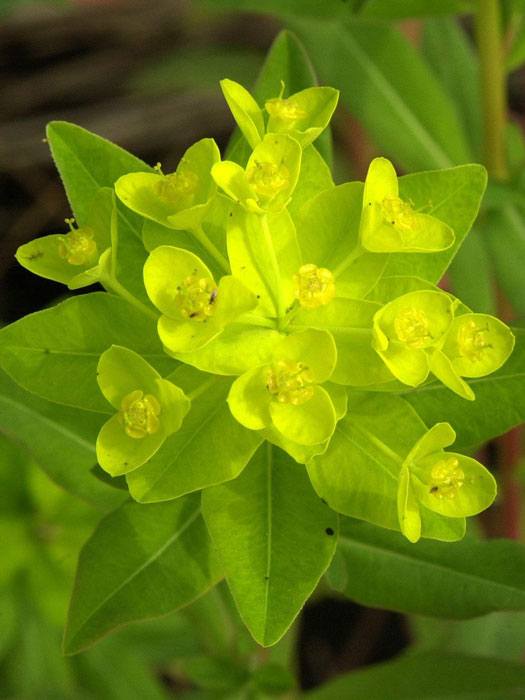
(446, 483)
(74, 258)
(391, 225)
(285, 393)
(267, 183)
(195, 309)
(177, 200)
(314, 286)
(148, 410)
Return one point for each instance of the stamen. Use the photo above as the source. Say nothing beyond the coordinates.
(411, 327)
(288, 110)
(472, 340)
(401, 216)
(196, 297)
(314, 286)
(290, 382)
(446, 478)
(268, 179)
(77, 247)
(139, 414)
(176, 185)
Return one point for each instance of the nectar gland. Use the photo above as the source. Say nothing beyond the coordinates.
(268, 179)
(78, 247)
(446, 478)
(285, 109)
(290, 382)
(314, 286)
(139, 414)
(472, 340)
(195, 297)
(411, 327)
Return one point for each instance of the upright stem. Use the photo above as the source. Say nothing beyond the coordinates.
(113, 285)
(493, 86)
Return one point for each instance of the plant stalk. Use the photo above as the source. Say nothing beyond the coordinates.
(493, 86)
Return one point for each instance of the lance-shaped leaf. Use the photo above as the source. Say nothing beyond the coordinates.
(275, 538)
(286, 394)
(194, 308)
(427, 675)
(210, 447)
(462, 580)
(71, 258)
(390, 224)
(141, 562)
(358, 475)
(54, 353)
(149, 409)
(178, 200)
(270, 176)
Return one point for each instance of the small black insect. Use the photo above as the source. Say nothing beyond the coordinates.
(329, 531)
(213, 296)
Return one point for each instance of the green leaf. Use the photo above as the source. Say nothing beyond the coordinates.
(389, 89)
(245, 110)
(499, 404)
(210, 448)
(314, 177)
(142, 561)
(431, 675)
(86, 162)
(452, 196)
(459, 580)
(458, 73)
(61, 440)
(288, 62)
(54, 353)
(275, 539)
(358, 474)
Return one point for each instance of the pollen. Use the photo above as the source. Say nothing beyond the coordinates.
(195, 297)
(472, 340)
(411, 327)
(139, 414)
(77, 247)
(285, 109)
(176, 185)
(290, 382)
(446, 478)
(268, 179)
(314, 286)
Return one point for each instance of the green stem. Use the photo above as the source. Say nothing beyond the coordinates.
(493, 87)
(113, 285)
(211, 248)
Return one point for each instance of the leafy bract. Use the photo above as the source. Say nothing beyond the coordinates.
(467, 579)
(275, 539)
(131, 554)
(54, 353)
